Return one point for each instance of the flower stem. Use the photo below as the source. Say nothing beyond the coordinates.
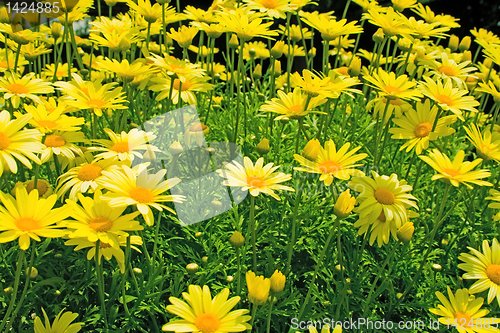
(294, 225)
(100, 282)
(252, 225)
(14, 292)
(269, 315)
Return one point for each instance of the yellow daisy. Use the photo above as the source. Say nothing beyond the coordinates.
(416, 127)
(256, 179)
(258, 288)
(28, 217)
(484, 37)
(273, 8)
(485, 268)
(125, 146)
(397, 106)
(311, 83)
(62, 323)
(331, 163)
(44, 188)
(151, 13)
(124, 70)
(136, 187)
(245, 25)
(62, 143)
(173, 67)
(48, 122)
(203, 314)
(383, 194)
(292, 105)
(464, 312)
(15, 88)
(18, 144)
(486, 148)
(184, 36)
(448, 68)
(390, 87)
(186, 89)
(447, 97)
(458, 171)
(84, 177)
(331, 29)
(105, 249)
(390, 21)
(495, 196)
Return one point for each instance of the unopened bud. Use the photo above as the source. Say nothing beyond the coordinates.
(257, 72)
(233, 42)
(277, 67)
(175, 148)
(192, 268)
(466, 56)
(355, 67)
(464, 44)
(339, 268)
(263, 147)
(8, 290)
(277, 49)
(277, 282)
(378, 36)
(405, 233)
(436, 267)
(311, 150)
(453, 43)
(487, 63)
(33, 273)
(230, 278)
(204, 259)
(216, 204)
(237, 240)
(198, 234)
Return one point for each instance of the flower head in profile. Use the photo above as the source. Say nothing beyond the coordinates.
(457, 171)
(486, 147)
(203, 314)
(63, 323)
(495, 196)
(15, 88)
(485, 268)
(27, 216)
(390, 87)
(62, 143)
(273, 8)
(258, 288)
(292, 105)
(464, 311)
(331, 163)
(344, 205)
(255, 178)
(245, 24)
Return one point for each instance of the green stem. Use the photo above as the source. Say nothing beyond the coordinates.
(14, 292)
(294, 225)
(269, 315)
(252, 223)
(100, 282)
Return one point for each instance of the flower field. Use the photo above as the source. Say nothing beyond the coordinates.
(255, 165)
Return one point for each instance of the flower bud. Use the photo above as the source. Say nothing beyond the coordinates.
(344, 205)
(354, 67)
(277, 67)
(111, 3)
(233, 42)
(204, 259)
(487, 63)
(198, 234)
(405, 44)
(33, 273)
(58, 256)
(230, 278)
(278, 49)
(192, 268)
(8, 290)
(339, 268)
(466, 56)
(257, 72)
(399, 295)
(216, 204)
(137, 271)
(175, 148)
(4, 16)
(311, 150)
(453, 43)
(405, 233)
(56, 30)
(378, 36)
(277, 282)
(237, 240)
(163, 2)
(258, 288)
(436, 267)
(263, 147)
(464, 44)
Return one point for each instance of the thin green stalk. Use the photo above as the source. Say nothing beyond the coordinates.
(252, 225)
(14, 292)
(294, 225)
(100, 282)
(377, 129)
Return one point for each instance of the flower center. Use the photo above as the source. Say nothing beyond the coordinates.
(392, 90)
(423, 130)
(447, 70)
(443, 99)
(4, 141)
(269, 4)
(47, 123)
(41, 187)
(395, 101)
(343, 70)
(89, 172)
(185, 85)
(100, 224)
(485, 148)
(452, 172)
(329, 167)
(384, 196)
(142, 195)
(381, 217)
(295, 108)
(256, 181)
(17, 88)
(463, 320)
(120, 147)
(207, 323)
(493, 273)
(27, 224)
(3, 64)
(103, 245)
(54, 141)
(95, 103)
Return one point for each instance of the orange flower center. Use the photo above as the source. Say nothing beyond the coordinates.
(17, 88)
(185, 85)
(443, 99)
(452, 172)
(89, 172)
(295, 108)
(493, 273)
(392, 90)
(423, 130)
(103, 245)
(120, 147)
(3, 64)
(100, 224)
(329, 167)
(4, 141)
(381, 217)
(95, 103)
(384, 196)
(485, 148)
(27, 224)
(142, 195)
(343, 70)
(463, 320)
(47, 123)
(85, 91)
(41, 187)
(54, 141)
(395, 101)
(447, 70)
(256, 181)
(207, 323)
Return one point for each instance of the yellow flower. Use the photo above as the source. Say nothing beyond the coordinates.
(62, 143)
(185, 89)
(495, 196)
(485, 37)
(416, 127)
(464, 312)
(28, 217)
(151, 13)
(184, 36)
(311, 150)
(47, 122)
(292, 105)
(331, 163)
(405, 233)
(44, 188)
(256, 179)
(458, 171)
(448, 68)
(486, 148)
(244, 25)
(331, 29)
(203, 314)
(258, 288)
(273, 8)
(16, 88)
(390, 87)
(62, 323)
(401, 5)
(344, 205)
(277, 282)
(390, 21)
(124, 70)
